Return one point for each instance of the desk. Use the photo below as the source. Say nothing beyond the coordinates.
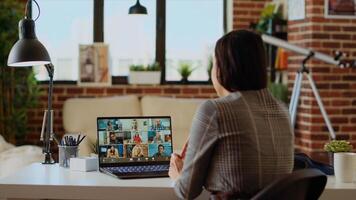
(39, 181)
(338, 191)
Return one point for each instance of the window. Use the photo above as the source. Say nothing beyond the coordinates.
(131, 38)
(192, 28)
(62, 26)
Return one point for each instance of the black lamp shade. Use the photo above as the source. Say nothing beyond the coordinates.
(28, 51)
(138, 9)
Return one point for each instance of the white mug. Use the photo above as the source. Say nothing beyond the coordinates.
(344, 166)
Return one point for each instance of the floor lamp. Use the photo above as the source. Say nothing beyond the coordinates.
(303, 70)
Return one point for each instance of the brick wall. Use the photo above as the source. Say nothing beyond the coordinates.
(246, 11)
(337, 86)
(63, 92)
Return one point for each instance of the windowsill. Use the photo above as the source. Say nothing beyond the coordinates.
(123, 81)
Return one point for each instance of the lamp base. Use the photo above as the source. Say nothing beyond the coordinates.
(48, 159)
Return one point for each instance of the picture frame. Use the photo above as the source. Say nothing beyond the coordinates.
(340, 9)
(296, 10)
(94, 65)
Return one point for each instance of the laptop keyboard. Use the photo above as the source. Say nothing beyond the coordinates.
(139, 169)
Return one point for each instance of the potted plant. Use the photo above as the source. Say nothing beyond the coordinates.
(269, 13)
(139, 74)
(94, 149)
(185, 70)
(342, 160)
(337, 146)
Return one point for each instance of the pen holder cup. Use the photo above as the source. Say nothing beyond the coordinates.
(66, 153)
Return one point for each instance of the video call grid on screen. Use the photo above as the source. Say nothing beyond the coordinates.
(134, 139)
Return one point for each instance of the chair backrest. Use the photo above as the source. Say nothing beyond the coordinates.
(301, 184)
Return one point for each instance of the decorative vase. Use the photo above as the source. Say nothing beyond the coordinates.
(344, 166)
(209, 80)
(184, 80)
(145, 77)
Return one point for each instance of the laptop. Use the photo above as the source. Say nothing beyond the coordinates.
(134, 147)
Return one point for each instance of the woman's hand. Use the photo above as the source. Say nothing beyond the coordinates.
(175, 167)
(182, 155)
(177, 162)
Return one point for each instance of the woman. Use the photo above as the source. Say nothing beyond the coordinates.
(137, 139)
(137, 151)
(157, 139)
(241, 141)
(112, 152)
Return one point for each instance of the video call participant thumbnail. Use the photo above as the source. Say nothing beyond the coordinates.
(136, 151)
(113, 139)
(109, 126)
(160, 152)
(137, 138)
(112, 152)
(163, 150)
(157, 138)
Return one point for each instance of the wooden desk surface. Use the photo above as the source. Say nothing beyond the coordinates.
(39, 181)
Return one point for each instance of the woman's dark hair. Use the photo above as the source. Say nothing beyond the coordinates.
(241, 61)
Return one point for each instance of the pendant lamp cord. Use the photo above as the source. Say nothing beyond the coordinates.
(27, 14)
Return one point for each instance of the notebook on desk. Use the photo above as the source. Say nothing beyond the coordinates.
(133, 147)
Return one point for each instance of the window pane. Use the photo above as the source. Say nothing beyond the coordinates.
(131, 38)
(192, 28)
(62, 26)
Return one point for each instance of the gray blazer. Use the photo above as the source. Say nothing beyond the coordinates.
(238, 143)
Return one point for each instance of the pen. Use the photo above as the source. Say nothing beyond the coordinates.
(70, 141)
(81, 140)
(78, 139)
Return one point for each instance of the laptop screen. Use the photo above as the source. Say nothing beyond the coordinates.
(134, 139)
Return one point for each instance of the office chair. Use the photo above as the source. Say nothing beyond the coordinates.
(301, 184)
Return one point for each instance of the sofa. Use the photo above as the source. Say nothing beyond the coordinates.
(80, 114)
(13, 158)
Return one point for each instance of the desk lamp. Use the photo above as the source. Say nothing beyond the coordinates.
(28, 51)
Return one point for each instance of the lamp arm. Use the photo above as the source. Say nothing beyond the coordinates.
(49, 129)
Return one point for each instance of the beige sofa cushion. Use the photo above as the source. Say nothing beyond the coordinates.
(181, 110)
(80, 114)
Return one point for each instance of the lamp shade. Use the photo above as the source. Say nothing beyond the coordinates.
(138, 9)
(28, 51)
